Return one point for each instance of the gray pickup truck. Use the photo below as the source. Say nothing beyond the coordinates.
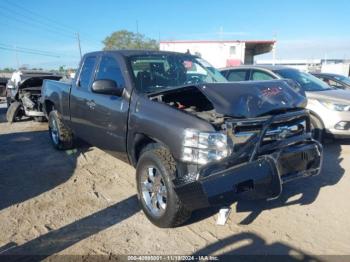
(195, 139)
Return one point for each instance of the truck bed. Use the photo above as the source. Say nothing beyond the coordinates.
(58, 93)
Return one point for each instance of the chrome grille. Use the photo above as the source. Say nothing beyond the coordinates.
(241, 131)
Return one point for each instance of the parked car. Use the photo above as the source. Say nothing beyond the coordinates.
(329, 107)
(195, 139)
(23, 92)
(334, 80)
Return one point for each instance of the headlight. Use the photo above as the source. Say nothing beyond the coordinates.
(334, 106)
(204, 147)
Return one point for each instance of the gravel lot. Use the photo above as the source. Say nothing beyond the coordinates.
(83, 202)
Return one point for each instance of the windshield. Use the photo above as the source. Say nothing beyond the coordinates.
(344, 79)
(307, 81)
(155, 73)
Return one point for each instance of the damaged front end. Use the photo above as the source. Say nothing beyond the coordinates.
(30, 98)
(263, 140)
(266, 152)
(28, 93)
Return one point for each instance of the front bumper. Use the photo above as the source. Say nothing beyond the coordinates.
(259, 176)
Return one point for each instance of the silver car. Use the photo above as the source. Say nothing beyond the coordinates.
(329, 107)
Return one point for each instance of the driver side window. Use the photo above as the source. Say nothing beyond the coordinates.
(109, 70)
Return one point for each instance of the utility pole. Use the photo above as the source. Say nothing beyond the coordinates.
(79, 45)
(137, 26)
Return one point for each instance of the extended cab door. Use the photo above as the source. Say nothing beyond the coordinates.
(106, 115)
(80, 95)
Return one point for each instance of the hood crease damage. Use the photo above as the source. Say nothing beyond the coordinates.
(214, 102)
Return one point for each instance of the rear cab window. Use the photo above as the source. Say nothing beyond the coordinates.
(87, 72)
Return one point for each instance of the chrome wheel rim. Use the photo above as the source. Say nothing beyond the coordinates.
(154, 191)
(54, 131)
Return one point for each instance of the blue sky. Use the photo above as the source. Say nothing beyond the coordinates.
(303, 29)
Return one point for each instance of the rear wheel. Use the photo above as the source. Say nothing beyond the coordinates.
(14, 112)
(317, 130)
(61, 137)
(154, 173)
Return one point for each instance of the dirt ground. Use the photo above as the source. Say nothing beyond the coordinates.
(83, 202)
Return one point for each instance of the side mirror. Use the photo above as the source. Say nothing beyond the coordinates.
(107, 87)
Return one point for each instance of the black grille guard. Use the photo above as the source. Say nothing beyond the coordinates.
(254, 148)
(255, 170)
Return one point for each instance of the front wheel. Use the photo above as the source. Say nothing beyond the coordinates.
(154, 173)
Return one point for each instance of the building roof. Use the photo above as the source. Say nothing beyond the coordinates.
(256, 47)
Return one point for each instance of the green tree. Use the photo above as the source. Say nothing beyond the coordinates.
(61, 69)
(124, 39)
(8, 70)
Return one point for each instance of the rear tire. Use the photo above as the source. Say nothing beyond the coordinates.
(317, 129)
(14, 112)
(166, 210)
(61, 137)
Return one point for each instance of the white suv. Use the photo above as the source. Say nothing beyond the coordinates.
(329, 107)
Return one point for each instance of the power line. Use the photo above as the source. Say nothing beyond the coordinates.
(30, 31)
(26, 52)
(30, 50)
(38, 15)
(34, 23)
(59, 26)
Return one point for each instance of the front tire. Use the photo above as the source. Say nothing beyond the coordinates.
(155, 171)
(61, 137)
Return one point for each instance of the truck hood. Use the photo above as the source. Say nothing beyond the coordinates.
(245, 99)
(252, 99)
(336, 95)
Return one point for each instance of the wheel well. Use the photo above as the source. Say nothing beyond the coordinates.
(49, 106)
(140, 142)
